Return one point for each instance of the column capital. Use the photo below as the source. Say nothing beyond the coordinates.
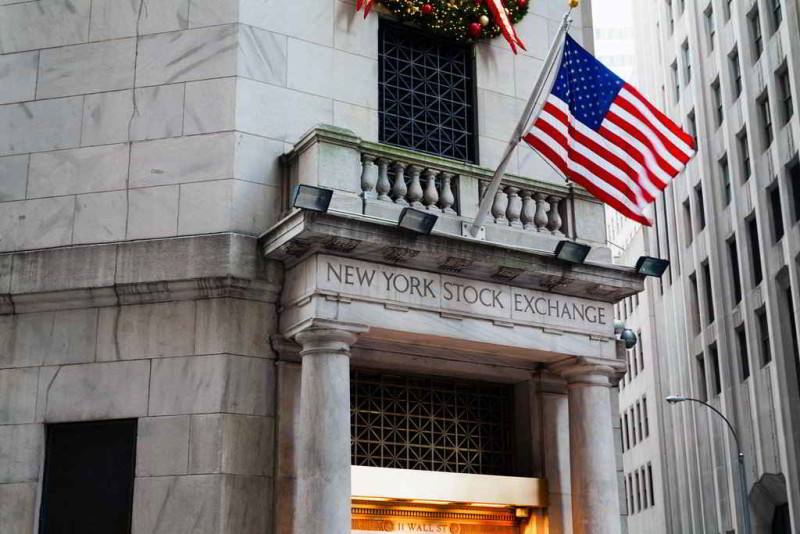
(320, 336)
(589, 371)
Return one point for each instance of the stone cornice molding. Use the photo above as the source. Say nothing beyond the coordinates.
(588, 371)
(549, 383)
(161, 270)
(325, 337)
(288, 350)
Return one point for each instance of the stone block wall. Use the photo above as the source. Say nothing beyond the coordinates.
(139, 119)
(185, 351)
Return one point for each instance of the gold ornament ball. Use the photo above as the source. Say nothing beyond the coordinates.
(484, 20)
(574, 3)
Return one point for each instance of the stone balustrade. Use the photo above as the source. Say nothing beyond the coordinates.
(379, 180)
(526, 207)
(391, 179)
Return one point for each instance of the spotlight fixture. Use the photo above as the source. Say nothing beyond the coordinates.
(571, 251)
(651, 266)
(311, 198)
(417, 221)
(675, 399)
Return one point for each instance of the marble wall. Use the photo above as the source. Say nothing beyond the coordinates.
(137, 119)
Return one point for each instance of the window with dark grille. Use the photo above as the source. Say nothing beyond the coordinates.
(426, 93)
(777, 213)
(794, 180)
(755, 251)
(733, 256)
(88, 477)
(744, 358)
(431, 424)
(701, 377)
(763, 332)
(709, 293)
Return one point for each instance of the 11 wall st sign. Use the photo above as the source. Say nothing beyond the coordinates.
(450, 294)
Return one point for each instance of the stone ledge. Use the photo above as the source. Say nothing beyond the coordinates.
(218, 265)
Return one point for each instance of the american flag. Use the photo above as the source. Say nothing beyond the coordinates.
(604, 135)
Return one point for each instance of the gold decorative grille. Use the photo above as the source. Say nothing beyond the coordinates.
(431, 424)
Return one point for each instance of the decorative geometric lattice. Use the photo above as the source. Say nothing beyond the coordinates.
(426, 93)
(430, 424)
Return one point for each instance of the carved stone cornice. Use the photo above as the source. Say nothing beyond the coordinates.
(589, 371)
(322, 336)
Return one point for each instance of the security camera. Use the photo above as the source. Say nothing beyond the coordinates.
(629, 337)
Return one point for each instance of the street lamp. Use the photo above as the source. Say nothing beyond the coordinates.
(675, 399)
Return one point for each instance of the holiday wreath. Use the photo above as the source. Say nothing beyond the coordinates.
(460, 20)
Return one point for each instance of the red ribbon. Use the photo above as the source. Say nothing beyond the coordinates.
(500, 17)
(366, 4)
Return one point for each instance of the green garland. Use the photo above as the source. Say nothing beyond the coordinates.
(459, 20)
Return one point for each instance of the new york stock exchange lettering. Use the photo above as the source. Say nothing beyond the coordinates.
(458, 295)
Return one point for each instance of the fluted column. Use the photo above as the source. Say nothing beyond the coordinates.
(323, 454)
(595, 495)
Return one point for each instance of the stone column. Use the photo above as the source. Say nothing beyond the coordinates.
(555, 451)
(595, 496)
(323, 452)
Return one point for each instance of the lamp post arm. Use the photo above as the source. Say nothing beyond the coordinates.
(730, 426)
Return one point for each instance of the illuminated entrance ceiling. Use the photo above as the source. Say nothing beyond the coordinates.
(370, 517)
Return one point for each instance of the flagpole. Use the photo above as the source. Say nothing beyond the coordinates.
(497, 177)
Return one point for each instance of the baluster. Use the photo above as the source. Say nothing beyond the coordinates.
(540, 219)
(481, 190)
(447, 199)
(399, 189)
(431, 196)
(554, 218)
(499, 207)
(528, 210)
(369, 176)
(414, 189)
(384, 186)
(514, 209)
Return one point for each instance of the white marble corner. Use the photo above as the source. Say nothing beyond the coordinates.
(210, 106)
(152, 212)
(79, 170)
(18, 507)
(86, 68)
(234, 326)
(13, 177)
(262, 55)
(162, 446)
(18, 395)
(20, 453)
(18, 77)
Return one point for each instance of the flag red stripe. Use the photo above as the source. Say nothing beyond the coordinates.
(602, 195)
(547, 152)
(630, 108)
(686, 138)
(639, 136)
(604, 175)
(613, 138)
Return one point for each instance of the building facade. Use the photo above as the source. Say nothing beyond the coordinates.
(721, 325)
(183, 352)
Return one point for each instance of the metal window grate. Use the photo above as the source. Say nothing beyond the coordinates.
(426, 93)
(430, 424)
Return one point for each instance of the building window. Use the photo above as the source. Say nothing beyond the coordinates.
(714, 355)
(687, 63)
(676, 81)
(794, 181)
(709, 293)
(724, 171)
(744, 150)
(691, 124)
(645, 500)
(701, 376)
(744, 359)
(639, 420)
(728, 10)
(88, 477)
(733, 256)
(777, 212)
(785, 89)
(687, 220)
(736, 73)
(763, 333)
(777, 13)
(755, 30)
(766, 120)
(716, 97)
(646, 418)
(627, 434)
(701, 209)
(670, 17)
(711, 28)
(631, 501)
(640, 349)
(695, 303)
(638, 493)
(426, 93)
(650, 484)
(788, 302)
(755, 251)
(431, 424)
